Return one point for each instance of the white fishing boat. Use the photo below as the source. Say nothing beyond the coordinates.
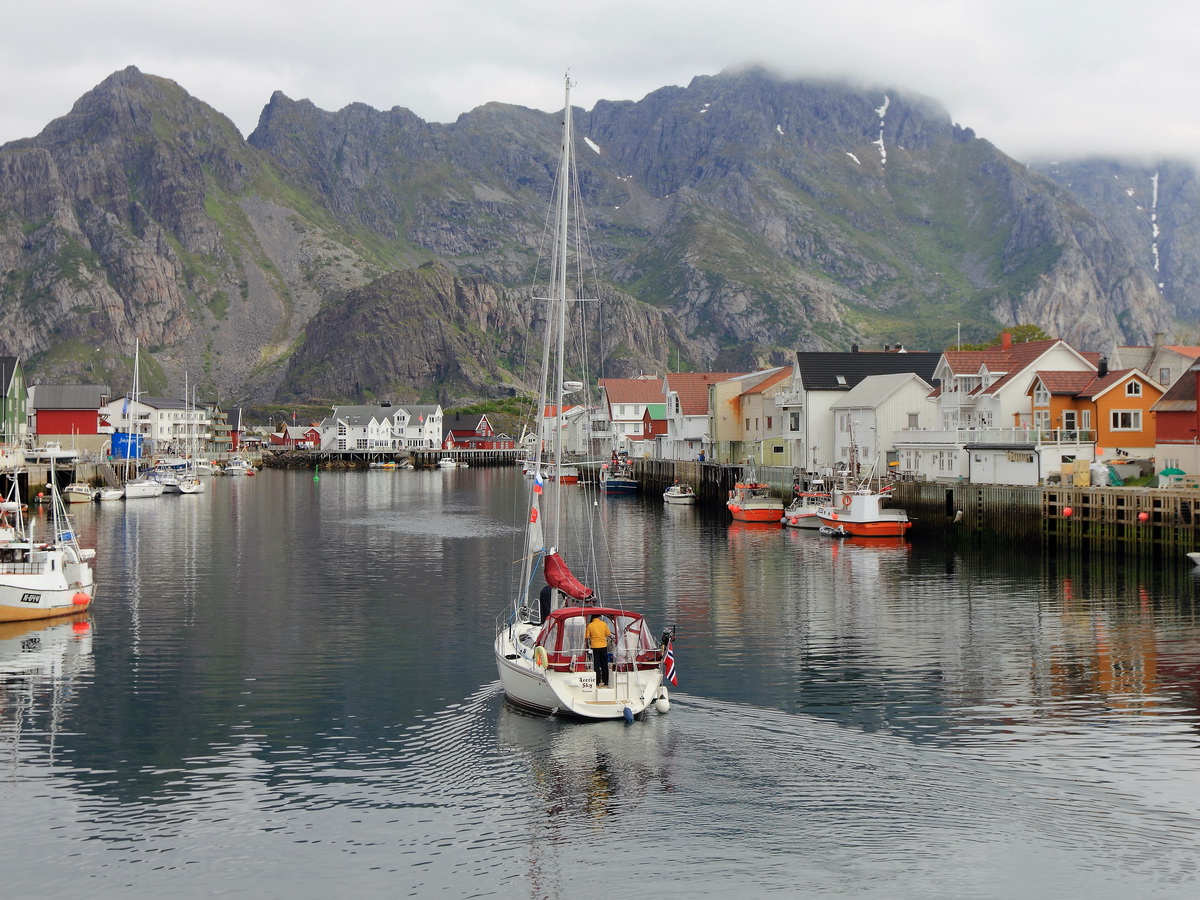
(238, 465)
(78, 492)
(856, 509)
(679, 493)
(543, 648)
(802, 511)
(41, 575)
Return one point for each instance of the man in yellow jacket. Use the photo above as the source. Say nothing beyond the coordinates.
(598, 634)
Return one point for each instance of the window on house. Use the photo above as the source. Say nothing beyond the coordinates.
(1133, 389)
(793, 421)
(1085, 419)
(1126, 420)
(1041, 396)
(770, 422)
(747, 424)
(914, 420)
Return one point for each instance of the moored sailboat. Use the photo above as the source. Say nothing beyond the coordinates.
(552, 645)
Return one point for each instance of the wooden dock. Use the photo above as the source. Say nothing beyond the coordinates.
(1151, 521)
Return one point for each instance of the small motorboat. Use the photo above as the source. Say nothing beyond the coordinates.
(679, 493)
(78, 492)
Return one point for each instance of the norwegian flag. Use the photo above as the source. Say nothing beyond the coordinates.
(669, 664)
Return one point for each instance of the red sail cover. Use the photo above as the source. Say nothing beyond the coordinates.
(559, 576)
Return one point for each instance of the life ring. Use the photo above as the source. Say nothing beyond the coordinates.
(539, 657)
(846, 500)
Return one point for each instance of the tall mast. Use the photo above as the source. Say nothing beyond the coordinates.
(560, 294)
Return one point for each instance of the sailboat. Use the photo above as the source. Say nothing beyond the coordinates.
(140, 485)
(542, 644)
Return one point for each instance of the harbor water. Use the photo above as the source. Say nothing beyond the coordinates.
(286, 688)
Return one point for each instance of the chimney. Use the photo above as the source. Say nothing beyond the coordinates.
(1103, 370)
(1006, 341)
(854, 348)
(1158, 339)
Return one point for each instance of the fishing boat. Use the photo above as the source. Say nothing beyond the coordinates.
(41, 575)
(679, 493)
(543, 651)
(752, 501)
(857, 509)
(447, 462)
(617, 476)
(78, 492)
(110, 493)
(238, 465)
(802, 511)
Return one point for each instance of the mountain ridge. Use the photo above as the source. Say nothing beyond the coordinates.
(733, 220)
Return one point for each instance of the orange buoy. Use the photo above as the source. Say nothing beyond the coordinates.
(81, 599)
(1143, 516)
(1067, 511)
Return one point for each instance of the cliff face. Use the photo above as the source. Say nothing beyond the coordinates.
(733, 221)
(1154, 210)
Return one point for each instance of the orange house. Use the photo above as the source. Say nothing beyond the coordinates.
(1109, 409)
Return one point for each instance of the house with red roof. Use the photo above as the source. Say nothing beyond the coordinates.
(1113, 409)
(984, 431)
(623, 403)
(688, 434)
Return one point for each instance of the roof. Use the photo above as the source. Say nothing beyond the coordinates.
(1065, 383)
(757, 382)
(8, 369)
(1087, 384)
(359, 416)
(828, 371)
(1011, 362)
(1181, 396)
(632, 390)
(164, 402)
(462, 422)
(68, 396)
(869, 392)
(692, 389)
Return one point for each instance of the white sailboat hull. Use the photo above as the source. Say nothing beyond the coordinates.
(138, 488)
(573, 693)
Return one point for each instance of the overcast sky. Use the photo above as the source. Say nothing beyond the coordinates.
(1054, 78)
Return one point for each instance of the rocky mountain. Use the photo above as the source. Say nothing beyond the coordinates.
(1154, 209)
(364, 253)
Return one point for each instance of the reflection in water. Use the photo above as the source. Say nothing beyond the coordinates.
(41, 663)
(865, 718)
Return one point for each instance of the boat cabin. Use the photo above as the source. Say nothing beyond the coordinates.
(563, 637)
